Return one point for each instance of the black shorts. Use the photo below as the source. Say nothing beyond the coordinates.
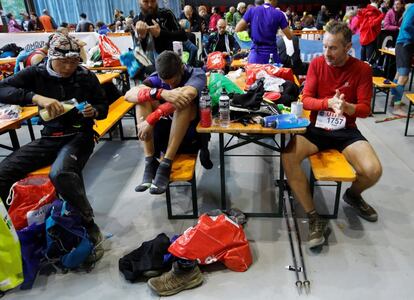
(403, 55)
(189, 145)
(336, 139)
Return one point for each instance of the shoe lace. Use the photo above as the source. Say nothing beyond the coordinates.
(170, 280)
(318, 224)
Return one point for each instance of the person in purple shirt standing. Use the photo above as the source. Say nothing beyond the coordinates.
(264, 20)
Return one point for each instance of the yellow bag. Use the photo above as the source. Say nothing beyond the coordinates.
(11, 269)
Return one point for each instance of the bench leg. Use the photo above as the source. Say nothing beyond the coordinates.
(374, 93)
(386, 101)
(408, 119)
(121, 130)
(194, 215)
(168, 198)
(337, 198)
(194, 196)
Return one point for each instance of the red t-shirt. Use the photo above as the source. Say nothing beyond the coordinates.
(354, 79)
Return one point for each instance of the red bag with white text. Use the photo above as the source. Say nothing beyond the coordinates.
(214, 238)
(252, 69)
(29, 200)
(216, 61)
(109, 52)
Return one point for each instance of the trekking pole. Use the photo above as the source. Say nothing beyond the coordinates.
(295, 265)
(306, 282)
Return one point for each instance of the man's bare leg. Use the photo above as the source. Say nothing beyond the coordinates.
(151, 164)
(368, 168)
(179, 126)
(298, 149)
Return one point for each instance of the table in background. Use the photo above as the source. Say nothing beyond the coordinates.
(123, 73)
(107, 77)
(10, 126)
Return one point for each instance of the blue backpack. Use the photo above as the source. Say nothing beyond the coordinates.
(68, 243)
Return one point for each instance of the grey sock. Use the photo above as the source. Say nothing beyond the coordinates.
(151, 165)
(162, 178)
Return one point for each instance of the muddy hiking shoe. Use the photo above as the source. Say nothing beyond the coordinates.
(318, 228)
(363, 209)
(97, 239)
(175, 281)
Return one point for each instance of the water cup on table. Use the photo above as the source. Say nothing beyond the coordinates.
(296, 108)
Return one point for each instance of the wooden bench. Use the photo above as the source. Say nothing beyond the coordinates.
(330, 165)
(411, 98)
(115, 113)
(380, 87)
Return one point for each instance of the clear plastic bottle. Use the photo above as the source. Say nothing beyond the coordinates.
(271, 60)
(205, 109)
(224, 109)
(67, 106)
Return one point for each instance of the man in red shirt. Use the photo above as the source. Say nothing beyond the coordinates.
(338, 89)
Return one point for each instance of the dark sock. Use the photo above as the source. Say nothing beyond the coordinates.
(312, 214)
(205, 158)
(151, 165)
(162, 178)
(183, 266)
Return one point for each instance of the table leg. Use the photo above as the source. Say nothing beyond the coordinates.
(281, 173)
(222, 172)
(30, 126)
(14, 139)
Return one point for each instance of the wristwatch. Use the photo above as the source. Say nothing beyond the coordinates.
(153, 93)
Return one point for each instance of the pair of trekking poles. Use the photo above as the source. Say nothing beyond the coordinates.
(298, 269)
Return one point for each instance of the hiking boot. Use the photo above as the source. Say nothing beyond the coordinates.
(363, 209)
(96, 238)
(318, 227)
(175, 281)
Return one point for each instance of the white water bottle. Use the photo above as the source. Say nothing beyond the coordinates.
(67, 106)
(224, 109)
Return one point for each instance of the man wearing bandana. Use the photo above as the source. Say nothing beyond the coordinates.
(67, 139)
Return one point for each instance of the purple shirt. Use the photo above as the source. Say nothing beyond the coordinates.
(265, 20)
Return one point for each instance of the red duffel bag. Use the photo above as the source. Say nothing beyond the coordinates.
(29, 200)
(214, 238)
(252, 69)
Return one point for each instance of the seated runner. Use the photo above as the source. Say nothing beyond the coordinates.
(67, 139)
(222, 41)
(172, 90)
(338, 90)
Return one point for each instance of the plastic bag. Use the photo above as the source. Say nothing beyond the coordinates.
(214, 238)
(218, 82)
(11, 269)
(216, 61)
(128, 60)
(252, 69)
(29, 200)
(109, 52)
(9, 112)
(33, 244)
